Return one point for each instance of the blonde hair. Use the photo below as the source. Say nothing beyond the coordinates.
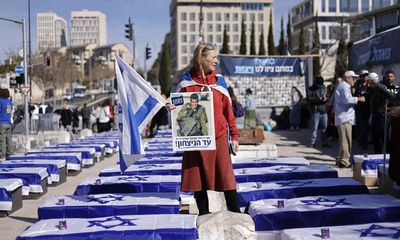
(201, 51)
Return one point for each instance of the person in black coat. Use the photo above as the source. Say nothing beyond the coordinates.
(66, 116)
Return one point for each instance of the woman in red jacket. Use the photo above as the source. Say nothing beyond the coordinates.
(210, 169)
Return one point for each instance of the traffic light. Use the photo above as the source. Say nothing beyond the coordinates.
(48, 61)
(129, 31)
(148, 52)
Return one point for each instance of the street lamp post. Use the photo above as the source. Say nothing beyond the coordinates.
(27, 76)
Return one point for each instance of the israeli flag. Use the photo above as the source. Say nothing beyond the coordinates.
(138, 103)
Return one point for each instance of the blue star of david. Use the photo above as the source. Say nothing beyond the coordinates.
(106, 224)
(6, 169)
(391, 232)
(294, 183)
(105, 199)
(286, 169)
(149, 166)
(326, 202)
(133, 178)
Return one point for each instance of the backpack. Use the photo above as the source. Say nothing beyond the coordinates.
(238, 110)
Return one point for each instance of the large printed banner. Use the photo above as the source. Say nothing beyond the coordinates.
(193, 121)
(380, 49)
(260, 66)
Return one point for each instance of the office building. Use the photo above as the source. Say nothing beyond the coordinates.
(51, 31)
(88, 27)
(187, 32)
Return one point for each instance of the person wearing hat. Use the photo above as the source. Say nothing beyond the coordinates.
(343, 107)
(378, 96)
(362, 110)
(318, 101)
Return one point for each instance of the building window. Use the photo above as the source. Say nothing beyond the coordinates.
(192, 16)
(183, 27)
(227, 27)
(244, 16)
(184, 60)
(218, 28)
(183, 16)
(332, 5)
(209, 38)
(209, 27)
(386, 21)
(260, 17)
(193, 27)
(348, 6)
(218, 16)
(235, 17)
(323, 6)
(236, 27)
(227, 17)
(364, 6)
(323, 32)
(209, 16)
(252, 17)
(184, 49)
(219, 39)
(193, 38)
(235, 38)
(260, 27)
(184, 38)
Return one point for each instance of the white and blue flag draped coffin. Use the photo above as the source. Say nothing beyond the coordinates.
(163, 154)
(370, 231)
(9, 201)
(318, 211)
(54, 167)
(157, 160)
(164, 226)
(73, 160)
(162, 140)
(369, 163)
(36, 178)
(267, 162)
(87, 154)
(129, 184)
(158, 148)
(103, 205)
(282, 172)
(99, 148)
(253, 191)
(109, 145)
(144, 169)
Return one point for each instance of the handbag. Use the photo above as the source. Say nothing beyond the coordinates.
(230, 143)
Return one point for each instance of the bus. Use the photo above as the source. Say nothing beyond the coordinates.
(79, 91)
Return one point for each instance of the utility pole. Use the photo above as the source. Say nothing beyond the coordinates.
(201, 30)
(27, 77)
(29, 45)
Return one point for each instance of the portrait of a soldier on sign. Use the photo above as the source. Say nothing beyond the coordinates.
(192, 118)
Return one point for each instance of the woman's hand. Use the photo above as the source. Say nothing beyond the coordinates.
(235, 145)
(170, 106)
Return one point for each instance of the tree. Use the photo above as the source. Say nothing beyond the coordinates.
(252, 40)
(243, 40)
(281, 47)
(152, 74)
(301, 41)
(341, 54)
(271, 44)
(225, 45)
(165, 69)
(289, 35)
(262, 51)
(315, 49)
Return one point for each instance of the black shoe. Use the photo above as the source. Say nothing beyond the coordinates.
(312, 145)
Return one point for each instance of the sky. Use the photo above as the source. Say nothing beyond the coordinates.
(150, 17)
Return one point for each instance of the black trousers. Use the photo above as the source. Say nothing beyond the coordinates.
(202, 201)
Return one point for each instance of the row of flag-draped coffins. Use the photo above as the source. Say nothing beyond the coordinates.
(279, 194)
(29, 175)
